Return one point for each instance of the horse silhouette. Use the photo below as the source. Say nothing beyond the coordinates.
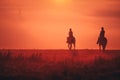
(71, 40)
(102, 42)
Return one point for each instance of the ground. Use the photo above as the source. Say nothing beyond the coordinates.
(59, 65)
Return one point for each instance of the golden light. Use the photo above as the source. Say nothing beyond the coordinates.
(60, 2)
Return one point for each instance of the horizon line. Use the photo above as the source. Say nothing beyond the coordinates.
(50, 49)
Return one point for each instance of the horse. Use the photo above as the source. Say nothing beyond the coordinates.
(71, 40)
(102, 42)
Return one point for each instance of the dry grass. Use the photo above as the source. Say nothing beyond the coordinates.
(59, 65)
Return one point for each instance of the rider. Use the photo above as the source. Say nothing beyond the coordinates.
(71, 39)
(102, 35)
(70, 33)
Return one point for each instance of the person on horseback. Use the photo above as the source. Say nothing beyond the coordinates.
(102, 40)
(102, 35)
(71, 39)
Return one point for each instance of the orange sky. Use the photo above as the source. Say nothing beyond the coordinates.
(44, 24)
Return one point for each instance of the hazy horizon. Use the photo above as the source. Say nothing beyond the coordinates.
(44, 24)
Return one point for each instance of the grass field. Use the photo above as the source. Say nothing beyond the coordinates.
(59, 65)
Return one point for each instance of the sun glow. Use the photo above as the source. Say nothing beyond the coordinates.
(60, 2)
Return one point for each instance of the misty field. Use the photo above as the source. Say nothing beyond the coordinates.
(59, 65)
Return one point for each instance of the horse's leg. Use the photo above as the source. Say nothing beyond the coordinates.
(99, 47)
(74, 45)
(70, 47)
(104, 46)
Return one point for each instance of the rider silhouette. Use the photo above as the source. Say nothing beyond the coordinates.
(70, 33)
(102, 40)
(71, 39)
(102, 35)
